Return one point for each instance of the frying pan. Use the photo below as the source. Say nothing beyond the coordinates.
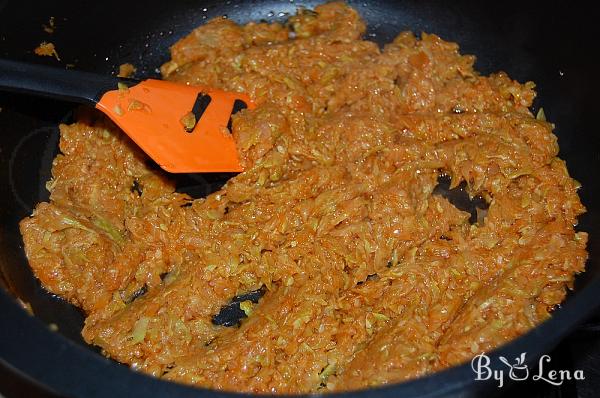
(550, 43)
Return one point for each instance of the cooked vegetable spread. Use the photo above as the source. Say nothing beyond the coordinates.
(369, 277)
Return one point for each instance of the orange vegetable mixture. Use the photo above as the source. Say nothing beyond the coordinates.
(370, 278)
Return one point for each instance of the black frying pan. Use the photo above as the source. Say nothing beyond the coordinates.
(553, 44)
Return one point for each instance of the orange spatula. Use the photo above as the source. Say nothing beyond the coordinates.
(185, 129)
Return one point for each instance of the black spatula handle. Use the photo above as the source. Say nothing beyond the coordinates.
(68, 85)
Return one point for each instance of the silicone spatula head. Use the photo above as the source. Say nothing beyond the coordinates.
(185, 129)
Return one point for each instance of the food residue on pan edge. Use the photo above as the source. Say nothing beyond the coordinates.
(47, 50)
(368, 276)
(50, 27)
(126, 70)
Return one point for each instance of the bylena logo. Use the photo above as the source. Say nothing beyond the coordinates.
(518, 370)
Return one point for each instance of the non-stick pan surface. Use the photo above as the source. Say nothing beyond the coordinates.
(553, 44)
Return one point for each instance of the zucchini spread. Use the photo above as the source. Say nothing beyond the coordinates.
(367, 276)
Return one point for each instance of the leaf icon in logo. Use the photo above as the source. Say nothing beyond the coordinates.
(518, 371)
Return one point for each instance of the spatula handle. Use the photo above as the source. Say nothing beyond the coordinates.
(68, 85)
